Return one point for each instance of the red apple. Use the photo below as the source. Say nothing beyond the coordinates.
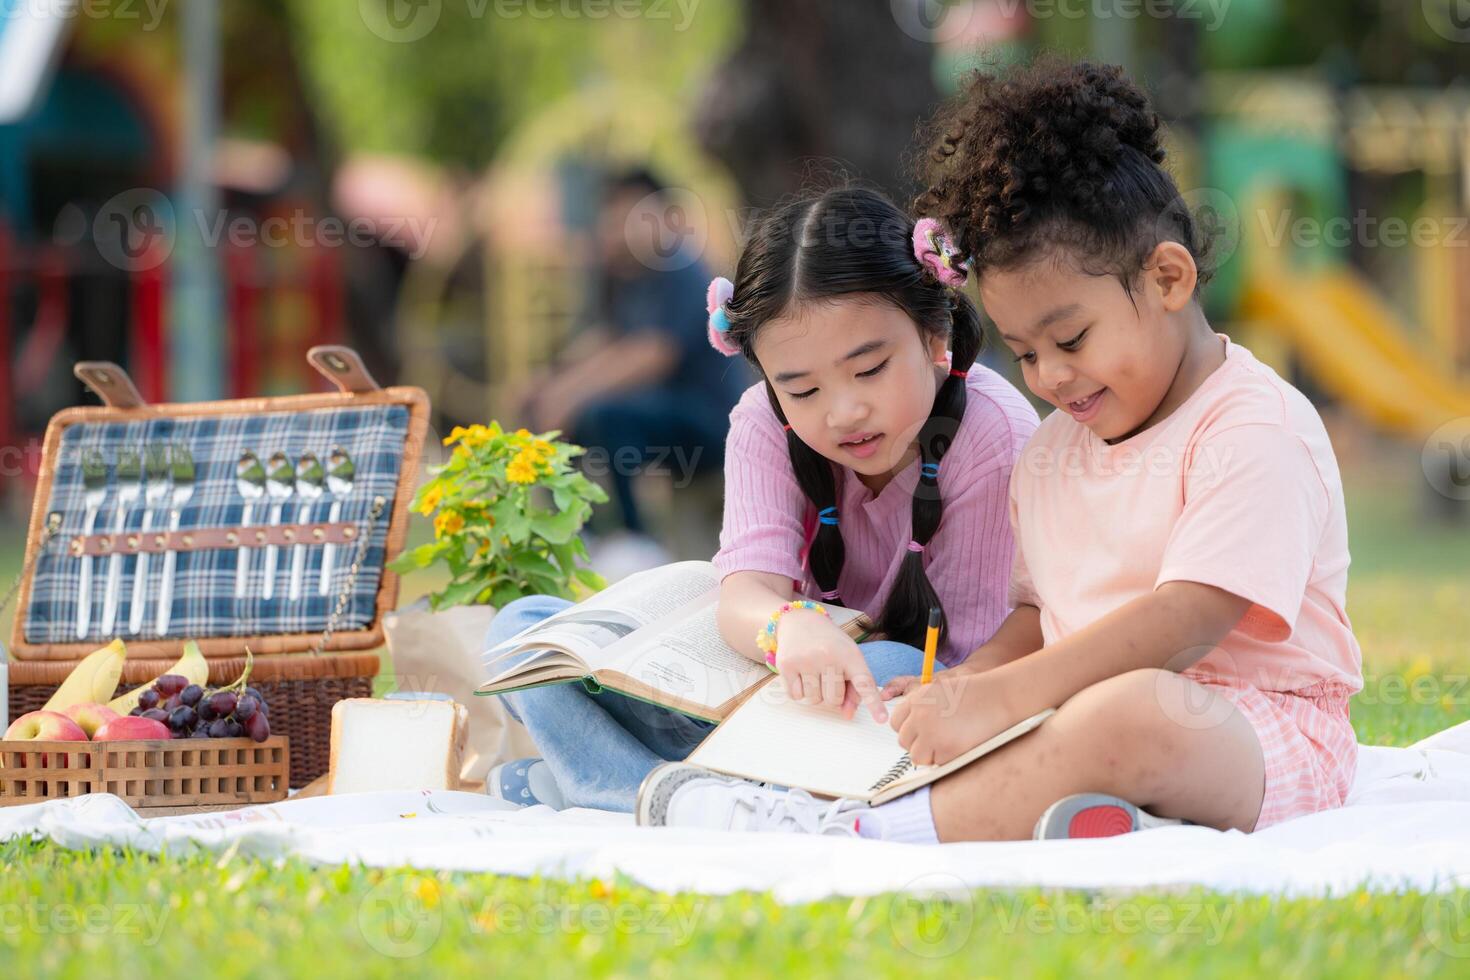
(90, 716)
(49, 726)
(129, 727)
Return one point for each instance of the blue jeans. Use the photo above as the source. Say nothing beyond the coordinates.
(600, 746)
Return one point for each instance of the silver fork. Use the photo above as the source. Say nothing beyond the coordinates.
(129, 489)
(94, 482)
(181, 466)
(155, 490)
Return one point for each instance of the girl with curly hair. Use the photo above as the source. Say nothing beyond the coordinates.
(1179, 585)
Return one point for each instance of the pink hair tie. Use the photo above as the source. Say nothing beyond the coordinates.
(937, 253)
(915, 547)
(832, 596)
(720, 292)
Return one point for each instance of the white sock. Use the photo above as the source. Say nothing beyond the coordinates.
(908, 819)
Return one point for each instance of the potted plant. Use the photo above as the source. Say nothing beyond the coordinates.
(507, 508)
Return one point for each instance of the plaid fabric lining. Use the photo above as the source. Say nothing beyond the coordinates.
(204, 603)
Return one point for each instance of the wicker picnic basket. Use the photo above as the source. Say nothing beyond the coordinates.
(310, 649)
(157, 778)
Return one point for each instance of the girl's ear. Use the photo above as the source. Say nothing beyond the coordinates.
(1174, 275)
(938, 348)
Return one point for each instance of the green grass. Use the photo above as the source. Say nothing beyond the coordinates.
(66, 913)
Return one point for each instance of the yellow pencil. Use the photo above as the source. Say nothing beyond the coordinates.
(931, 645)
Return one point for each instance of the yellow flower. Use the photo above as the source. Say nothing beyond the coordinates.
(542, 450)
(523, 434)
(471, 438)
(449, 522)
(431, 501)
(521, 470)
(481, 551)
(477, 436)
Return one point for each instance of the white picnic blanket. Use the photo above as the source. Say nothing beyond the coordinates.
(1407, 826)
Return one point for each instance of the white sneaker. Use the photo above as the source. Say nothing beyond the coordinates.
(1095, 815)
(677, 794)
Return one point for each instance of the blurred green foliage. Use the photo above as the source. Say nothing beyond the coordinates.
(487, 65)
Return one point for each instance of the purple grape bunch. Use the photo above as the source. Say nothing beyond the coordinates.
(192, 711)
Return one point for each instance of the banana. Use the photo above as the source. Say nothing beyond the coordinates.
(92, 680)
(192, 665)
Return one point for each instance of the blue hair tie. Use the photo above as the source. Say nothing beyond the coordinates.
(931, 470)
(827, 515)
(720, 320)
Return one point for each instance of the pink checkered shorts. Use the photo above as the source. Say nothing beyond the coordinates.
(1310, 748)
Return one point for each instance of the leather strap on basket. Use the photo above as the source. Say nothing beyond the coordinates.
(212, 539)
(110, 382)
(343, 367)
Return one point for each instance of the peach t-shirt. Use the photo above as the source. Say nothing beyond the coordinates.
(1238, 488)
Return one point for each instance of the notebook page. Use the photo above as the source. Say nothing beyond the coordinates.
(776, 740)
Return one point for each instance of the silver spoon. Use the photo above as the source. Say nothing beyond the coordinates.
(280, 479)
(310, 478)
(340, 475)
(156, 480)
(129, 489)
(250, 485)
(94, 482)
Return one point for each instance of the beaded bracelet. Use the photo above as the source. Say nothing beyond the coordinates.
(765, 637)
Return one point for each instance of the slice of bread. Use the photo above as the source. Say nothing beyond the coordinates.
(394, 745)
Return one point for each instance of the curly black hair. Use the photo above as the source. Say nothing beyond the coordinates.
(1055, 158)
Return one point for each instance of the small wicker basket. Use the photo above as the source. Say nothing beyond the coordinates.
(154, 777)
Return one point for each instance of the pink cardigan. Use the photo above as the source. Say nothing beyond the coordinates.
(969, 559)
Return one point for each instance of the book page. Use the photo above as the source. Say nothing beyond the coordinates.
(774, 739)
(687, 657)
(615, 613)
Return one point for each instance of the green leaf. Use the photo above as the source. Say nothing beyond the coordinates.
(557, 528)
(590, 578)
(459, 593)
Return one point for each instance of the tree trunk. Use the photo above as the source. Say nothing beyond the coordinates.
(818, 85)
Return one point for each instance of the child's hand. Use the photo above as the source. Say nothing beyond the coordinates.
(938, 721)
(821, 665)
(899, 686)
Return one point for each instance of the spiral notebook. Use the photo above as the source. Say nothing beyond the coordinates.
(772, 739)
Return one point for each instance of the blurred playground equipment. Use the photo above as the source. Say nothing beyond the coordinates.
(1281, 152)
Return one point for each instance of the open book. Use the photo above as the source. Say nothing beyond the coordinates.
(652, 636)
(772, 739)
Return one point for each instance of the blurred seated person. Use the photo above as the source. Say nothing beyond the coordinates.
(640, 386)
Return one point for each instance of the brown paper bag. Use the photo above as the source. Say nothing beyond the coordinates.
(440, 651)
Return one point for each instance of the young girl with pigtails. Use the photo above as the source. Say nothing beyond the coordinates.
(869, 468)
(1180, 578)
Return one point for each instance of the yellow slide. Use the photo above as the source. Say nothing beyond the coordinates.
(1357, 348)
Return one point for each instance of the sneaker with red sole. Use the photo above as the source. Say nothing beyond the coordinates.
(1095, 815)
